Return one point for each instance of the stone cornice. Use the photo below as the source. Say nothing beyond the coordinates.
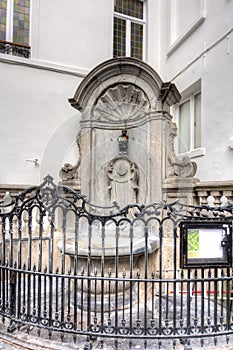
(110, 71)
(119, 125)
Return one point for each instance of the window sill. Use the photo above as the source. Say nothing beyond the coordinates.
(186, 34)
(198, 152)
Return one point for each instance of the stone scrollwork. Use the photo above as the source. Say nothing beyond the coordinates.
(181, 166)
(120, 103)
(69, 171)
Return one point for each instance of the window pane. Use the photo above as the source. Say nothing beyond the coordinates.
(133, 8)
(136, 40)
(21, 22)
(119, 40)
(184, 127)
(197, 120)
(3, 7)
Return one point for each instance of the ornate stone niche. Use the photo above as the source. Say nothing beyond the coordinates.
(126, 94)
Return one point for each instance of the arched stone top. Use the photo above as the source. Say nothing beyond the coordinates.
(124, 70)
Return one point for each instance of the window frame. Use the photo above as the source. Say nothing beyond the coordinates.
(8, 45)
(10, 23)
(192, 151)
(9, 20)
(129, 20)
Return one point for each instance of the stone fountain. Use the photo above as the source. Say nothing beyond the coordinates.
(126, 153)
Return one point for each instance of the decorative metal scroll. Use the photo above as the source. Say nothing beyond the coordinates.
(87, 272)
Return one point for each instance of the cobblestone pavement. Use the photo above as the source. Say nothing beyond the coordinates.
(30, 343)
(22, 340)
(4, 345)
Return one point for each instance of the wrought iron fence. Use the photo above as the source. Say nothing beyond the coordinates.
(74, 270)
(15, 49)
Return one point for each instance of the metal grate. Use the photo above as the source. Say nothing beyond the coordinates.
(72, 270)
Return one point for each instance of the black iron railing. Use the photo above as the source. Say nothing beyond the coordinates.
(11, 48)
(74, 270)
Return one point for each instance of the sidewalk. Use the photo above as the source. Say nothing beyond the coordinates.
(25, 341)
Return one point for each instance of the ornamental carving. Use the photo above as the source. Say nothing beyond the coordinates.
(123, 175)
(121, 103)
(181, 166)
(69, 171)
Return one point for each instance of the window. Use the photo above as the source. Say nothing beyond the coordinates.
(129, 28)
(190, 124)
(14, 27)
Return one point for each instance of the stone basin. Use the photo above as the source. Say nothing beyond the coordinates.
(138, 246)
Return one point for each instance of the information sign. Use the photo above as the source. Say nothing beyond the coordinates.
(205, 244)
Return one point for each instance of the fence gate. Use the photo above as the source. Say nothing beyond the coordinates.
(145, 276)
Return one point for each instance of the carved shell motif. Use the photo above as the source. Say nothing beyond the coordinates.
(121, 102)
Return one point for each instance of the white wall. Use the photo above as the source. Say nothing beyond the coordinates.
(71, 37)
(73, 32)
(183, 14)
(153, 14)
(186, 62)
(34, 105)
(68, 38)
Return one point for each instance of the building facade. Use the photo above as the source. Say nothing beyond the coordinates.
(48, 47)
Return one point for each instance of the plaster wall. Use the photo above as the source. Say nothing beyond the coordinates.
(79, 33)
(216, 21)
(188, 62)
(36, 122)
(73, 33)
(154, 18)
(70, 38)
(182, 14)
(217, 131)
(67, 40)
